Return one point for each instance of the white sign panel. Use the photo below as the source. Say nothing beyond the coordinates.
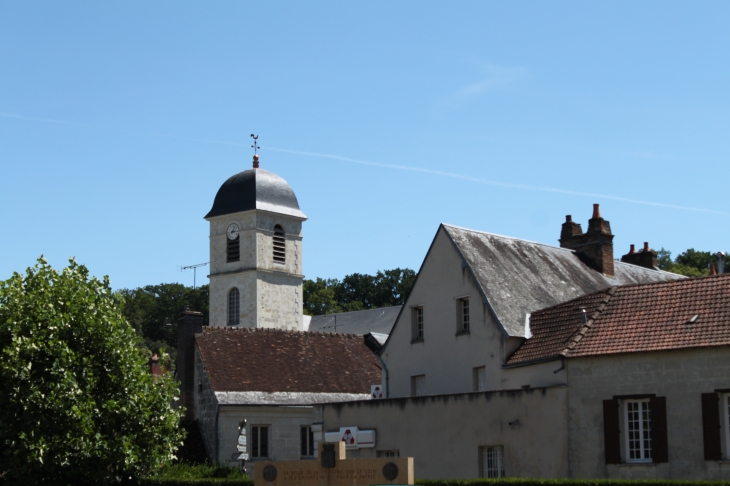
(242, 439)
(376, 391)
(243, 457)
(348, 435)
(241, 448)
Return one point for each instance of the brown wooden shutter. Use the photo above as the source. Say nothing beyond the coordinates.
(658, 413)
(711, 426)
(611, 432)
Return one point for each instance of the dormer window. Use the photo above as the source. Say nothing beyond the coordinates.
(279, 245)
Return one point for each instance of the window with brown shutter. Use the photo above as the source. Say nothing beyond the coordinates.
(711, 426)
(658, 415)
(611, 431)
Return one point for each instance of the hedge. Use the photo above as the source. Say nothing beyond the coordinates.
(465, 482)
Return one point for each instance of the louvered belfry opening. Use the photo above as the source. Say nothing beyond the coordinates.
(279, 245)
(233, 250)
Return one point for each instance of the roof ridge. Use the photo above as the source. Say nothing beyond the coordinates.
(224, 329)
(575, 338)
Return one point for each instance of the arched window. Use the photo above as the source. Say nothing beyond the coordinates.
(279, 245)
(234, 306)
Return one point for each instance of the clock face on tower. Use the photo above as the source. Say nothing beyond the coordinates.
(232, 231)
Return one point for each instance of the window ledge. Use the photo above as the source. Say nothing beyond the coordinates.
(637, 464)
(417, 340)
(462, 333)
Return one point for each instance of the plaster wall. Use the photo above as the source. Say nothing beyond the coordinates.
(446, 357)
(681, 376)
(269, 290)
(205, 404)
(443, 433)
(284, 424)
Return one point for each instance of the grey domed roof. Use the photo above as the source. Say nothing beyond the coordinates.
(255, 189)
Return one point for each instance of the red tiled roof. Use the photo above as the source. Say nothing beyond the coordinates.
(267, 360)
(633, 318)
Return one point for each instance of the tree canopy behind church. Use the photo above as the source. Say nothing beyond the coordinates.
(357, 291)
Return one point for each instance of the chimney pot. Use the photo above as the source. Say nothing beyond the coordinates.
(632, 250)
(646, 246)
(713, 271)
(568, 218)
(596, 211)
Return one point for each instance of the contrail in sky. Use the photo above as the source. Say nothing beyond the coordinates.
(440, 173)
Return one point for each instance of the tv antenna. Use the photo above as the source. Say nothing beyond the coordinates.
(195, 271)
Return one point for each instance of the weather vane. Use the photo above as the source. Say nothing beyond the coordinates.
(255, 145)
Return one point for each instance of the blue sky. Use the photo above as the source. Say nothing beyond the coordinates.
(120, 120)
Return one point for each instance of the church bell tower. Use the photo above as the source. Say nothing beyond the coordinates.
(256, 252)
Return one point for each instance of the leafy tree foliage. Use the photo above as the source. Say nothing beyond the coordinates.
(77, 402)
(691, 262)
(357, 291)
(148, 309)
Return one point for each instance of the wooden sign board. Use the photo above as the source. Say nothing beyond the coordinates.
(346, 472)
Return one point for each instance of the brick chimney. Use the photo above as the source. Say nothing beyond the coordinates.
(645, 258)
(595, 246)
(188, 324)
(154, 365)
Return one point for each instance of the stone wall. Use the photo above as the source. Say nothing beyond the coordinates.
(681, 376)
(443, 433)
(270, 292)
(205, 406)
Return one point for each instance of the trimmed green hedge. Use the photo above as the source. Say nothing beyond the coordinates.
(460, 482)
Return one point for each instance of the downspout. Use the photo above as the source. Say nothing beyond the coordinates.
(387, 377)
(217, 432)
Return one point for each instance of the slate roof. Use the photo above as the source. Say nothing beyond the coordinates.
(255, 189)
(518, 277)
(268, 360)
(358, 322)
(631, 319)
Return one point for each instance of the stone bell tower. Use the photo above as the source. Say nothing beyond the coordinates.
(256, 252)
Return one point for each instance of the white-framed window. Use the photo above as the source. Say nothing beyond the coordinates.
(279, 245)
(391, 453)
(417, 323)
(234, 306)
(480, 378)
(637, 420)
(418, 385)
(306, 441)
(259, 441)
(491, 462)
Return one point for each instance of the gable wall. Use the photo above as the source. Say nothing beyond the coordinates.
(681, 376)
(205, 405)
(445, 358)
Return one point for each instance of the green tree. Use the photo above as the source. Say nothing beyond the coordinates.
(358, 291)
(691, 263)
(77, 402)
(149, 309)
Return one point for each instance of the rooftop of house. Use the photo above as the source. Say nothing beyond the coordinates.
(517, 277)
(687, 313)
(362, 322)
(264, 361)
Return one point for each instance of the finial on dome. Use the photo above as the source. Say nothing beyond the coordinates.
(255, 148)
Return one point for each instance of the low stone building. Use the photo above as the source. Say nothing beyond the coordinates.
(272, 378)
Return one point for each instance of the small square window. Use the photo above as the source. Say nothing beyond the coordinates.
(480, 379)
(418, 385)
(491, 462)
